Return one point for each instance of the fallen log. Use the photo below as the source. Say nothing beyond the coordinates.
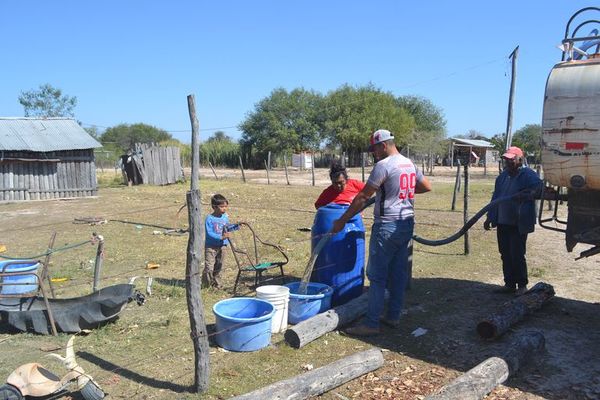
(515, 310)
(315, 327)
(320, 380)
(476, 383)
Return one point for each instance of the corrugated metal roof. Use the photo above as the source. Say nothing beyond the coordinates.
(44, 134)
(473, 142)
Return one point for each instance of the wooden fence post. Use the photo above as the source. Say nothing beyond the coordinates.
(192, 269)
(312, 167)
(456, 187)
(285, 167)
(362, 165)
(466, 207)
(98, 263)
(267, 169)
(269, 161)
(242, 168)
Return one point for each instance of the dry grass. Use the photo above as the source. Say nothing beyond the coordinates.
(147, 353)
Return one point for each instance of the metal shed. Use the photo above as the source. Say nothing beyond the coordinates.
(45, 158)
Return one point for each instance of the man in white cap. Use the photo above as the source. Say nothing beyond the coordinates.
(395, 180)
(514, 219)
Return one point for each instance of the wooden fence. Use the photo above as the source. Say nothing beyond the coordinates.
(38, 176)
(159, 165)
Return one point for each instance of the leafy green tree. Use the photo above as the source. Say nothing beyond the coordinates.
(220, 149)
(125, 136)
(47, 101)
(529, 139)
(283, 121)
(428, 117)
(499, 142)
(351, 114)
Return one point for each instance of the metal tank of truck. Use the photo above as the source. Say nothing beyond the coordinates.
(571, 132)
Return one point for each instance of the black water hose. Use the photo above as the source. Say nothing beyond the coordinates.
(523, 194)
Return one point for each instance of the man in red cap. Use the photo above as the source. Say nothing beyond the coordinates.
(394, 180)
(514, 219)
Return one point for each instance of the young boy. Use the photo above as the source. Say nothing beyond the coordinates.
(215, 240)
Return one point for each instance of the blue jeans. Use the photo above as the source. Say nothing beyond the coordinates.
(388, 267)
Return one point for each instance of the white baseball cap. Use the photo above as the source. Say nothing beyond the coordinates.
(380, 135)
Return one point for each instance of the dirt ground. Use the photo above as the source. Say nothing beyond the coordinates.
(147, 354)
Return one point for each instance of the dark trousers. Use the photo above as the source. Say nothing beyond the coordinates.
(512, 247)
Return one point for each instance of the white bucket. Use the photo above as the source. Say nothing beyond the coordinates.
(279, 296)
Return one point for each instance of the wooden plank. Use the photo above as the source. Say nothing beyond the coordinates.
(3, 173)
(26, 169)
(60, 177)
(320, 380)
(20, 179)
(9, 181)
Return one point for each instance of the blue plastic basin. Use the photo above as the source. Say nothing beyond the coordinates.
(24, 279)
(243, 323)
(303, 306)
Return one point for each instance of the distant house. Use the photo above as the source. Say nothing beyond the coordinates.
(45, 158)
(478, 152)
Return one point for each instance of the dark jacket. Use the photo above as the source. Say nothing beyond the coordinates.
(526, 178)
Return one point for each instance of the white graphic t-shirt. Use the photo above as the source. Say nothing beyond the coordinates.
(395, 178)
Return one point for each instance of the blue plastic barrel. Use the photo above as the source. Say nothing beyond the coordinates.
(243, 323)
(22, 278)
(317, 299)
(341, 263)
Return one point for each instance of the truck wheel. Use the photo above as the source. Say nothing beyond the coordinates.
(9, 392)
(91, 391)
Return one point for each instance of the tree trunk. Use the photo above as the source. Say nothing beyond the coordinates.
(515, 310)
(192, 269)
(320, 380)
(476, 383)
(315, 327)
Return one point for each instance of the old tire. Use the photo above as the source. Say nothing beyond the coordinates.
(9, 392)
(91, 391)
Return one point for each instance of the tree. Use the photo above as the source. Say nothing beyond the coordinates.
(219, 136)
(283, 121)
(125, 136)
(529, 139)
(47, 101)
(428, 117)
(220, 149)
(351, 114)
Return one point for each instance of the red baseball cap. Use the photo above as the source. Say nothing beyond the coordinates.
(380, 135)
(513, 152)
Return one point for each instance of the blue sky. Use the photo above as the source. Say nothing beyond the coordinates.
(136, 61)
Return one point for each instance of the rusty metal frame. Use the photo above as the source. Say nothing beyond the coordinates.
(33, 293)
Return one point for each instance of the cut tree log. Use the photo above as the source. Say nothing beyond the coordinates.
(308, 330)
(320, 380)
(515, 310)
(476, 383)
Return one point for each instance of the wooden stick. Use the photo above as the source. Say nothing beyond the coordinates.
(362, 165)
(98, 263)
(242, 168)
(476, 383)
(456, 187)
(312, 167)
(267, 169)
(195, 248)
(515, 310)
(213, 170)
(46, 265)
(285, 167)
(320, 380)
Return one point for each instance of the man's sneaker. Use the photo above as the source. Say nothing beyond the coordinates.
(362, 330)
(505, 289)
(521, 291)
(392, 323)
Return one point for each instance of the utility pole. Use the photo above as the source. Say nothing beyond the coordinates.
(513, 80)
